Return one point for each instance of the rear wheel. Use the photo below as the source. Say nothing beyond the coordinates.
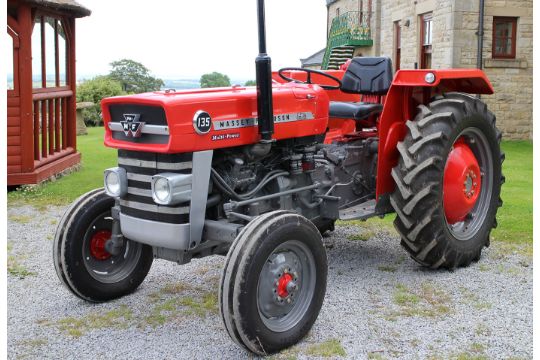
(448, 182)
(83, 264)
(273, 282)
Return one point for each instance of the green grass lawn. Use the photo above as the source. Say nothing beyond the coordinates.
(514, 218)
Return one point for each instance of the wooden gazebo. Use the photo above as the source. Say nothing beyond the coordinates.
(41, 120)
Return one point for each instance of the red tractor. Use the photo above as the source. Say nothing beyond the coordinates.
(259, 173)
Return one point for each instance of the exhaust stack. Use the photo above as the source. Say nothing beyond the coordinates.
(263, 66)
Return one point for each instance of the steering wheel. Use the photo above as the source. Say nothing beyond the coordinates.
(308, 80)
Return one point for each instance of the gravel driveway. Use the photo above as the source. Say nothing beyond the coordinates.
(379, 305)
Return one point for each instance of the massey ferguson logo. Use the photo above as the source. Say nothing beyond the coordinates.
(131, 125)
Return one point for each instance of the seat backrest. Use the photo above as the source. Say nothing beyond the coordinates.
(368, 76)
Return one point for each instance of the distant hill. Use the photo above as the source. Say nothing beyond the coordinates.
(177, 84)
(182, 84)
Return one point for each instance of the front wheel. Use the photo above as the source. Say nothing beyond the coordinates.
(83, 264)
(448, 181)
(273, 282)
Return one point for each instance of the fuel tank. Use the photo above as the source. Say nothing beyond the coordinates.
(206, 119)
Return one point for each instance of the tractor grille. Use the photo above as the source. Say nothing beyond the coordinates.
(154, 131)
(140, 167)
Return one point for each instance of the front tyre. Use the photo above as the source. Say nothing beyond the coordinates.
(448, 181)
(81, 261)
(273, 282)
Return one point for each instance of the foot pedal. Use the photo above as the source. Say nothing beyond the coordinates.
(361, 211)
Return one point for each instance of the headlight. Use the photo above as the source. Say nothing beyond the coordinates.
(115, 181)
(171, 189)
(162, 191)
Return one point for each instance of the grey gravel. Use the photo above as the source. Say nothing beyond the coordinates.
(379, 304)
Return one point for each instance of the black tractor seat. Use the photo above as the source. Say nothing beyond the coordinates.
(354, 110)
(364, 76)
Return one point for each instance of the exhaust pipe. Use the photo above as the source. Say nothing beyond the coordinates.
(263, 66)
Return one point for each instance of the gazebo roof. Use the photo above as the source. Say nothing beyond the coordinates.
(70, 6)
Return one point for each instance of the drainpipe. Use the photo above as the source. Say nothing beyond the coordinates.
(480, 34)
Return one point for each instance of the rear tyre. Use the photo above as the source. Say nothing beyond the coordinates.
(81, 261)
(273, 282)
(448, 182)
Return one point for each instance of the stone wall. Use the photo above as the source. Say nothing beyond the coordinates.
(511, 79)
(455, 23)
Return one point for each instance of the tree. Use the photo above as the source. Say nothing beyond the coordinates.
(250, 83)
(94, 90)
(215, 79)
(134, 77)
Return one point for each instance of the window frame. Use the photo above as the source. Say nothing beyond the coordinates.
(513, 37)
(59, 21)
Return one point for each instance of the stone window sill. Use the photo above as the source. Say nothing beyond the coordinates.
(506, 63)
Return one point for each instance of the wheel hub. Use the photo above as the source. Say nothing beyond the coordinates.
(285, 286)
(462, 183)
(97, 245)
(281, 278)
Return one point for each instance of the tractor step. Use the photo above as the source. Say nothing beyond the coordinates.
(361, 211)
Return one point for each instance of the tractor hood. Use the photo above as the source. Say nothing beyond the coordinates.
(206, 119)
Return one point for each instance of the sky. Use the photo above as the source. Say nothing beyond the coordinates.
(184, 39)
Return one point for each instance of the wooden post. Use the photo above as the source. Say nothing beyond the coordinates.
(57, 145)
(36, 130)
(72, 103)
(64, 123)
(25, 85)
(50, 126)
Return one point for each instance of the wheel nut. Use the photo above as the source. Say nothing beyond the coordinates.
(291, 286)
(288, 301)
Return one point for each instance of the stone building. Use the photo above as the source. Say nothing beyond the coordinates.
(444, 34)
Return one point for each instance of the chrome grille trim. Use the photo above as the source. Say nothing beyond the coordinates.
(154, 208)
(155, 164)
(140, 168)
(139, 177)
(140, 192)
(147, 129)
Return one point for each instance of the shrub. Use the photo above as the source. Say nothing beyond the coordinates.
(94, 90)
(215, 79)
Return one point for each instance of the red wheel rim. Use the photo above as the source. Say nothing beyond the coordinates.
(462, 183)
(283, 282)
(97, 245)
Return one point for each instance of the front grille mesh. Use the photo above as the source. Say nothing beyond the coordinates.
(140, 167)
(149, 115)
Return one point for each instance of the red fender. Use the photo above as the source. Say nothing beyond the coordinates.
(410, 89)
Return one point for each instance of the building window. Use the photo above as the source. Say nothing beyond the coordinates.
(504, 37)
(49, 53)
(397, 41)
(426, 40)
